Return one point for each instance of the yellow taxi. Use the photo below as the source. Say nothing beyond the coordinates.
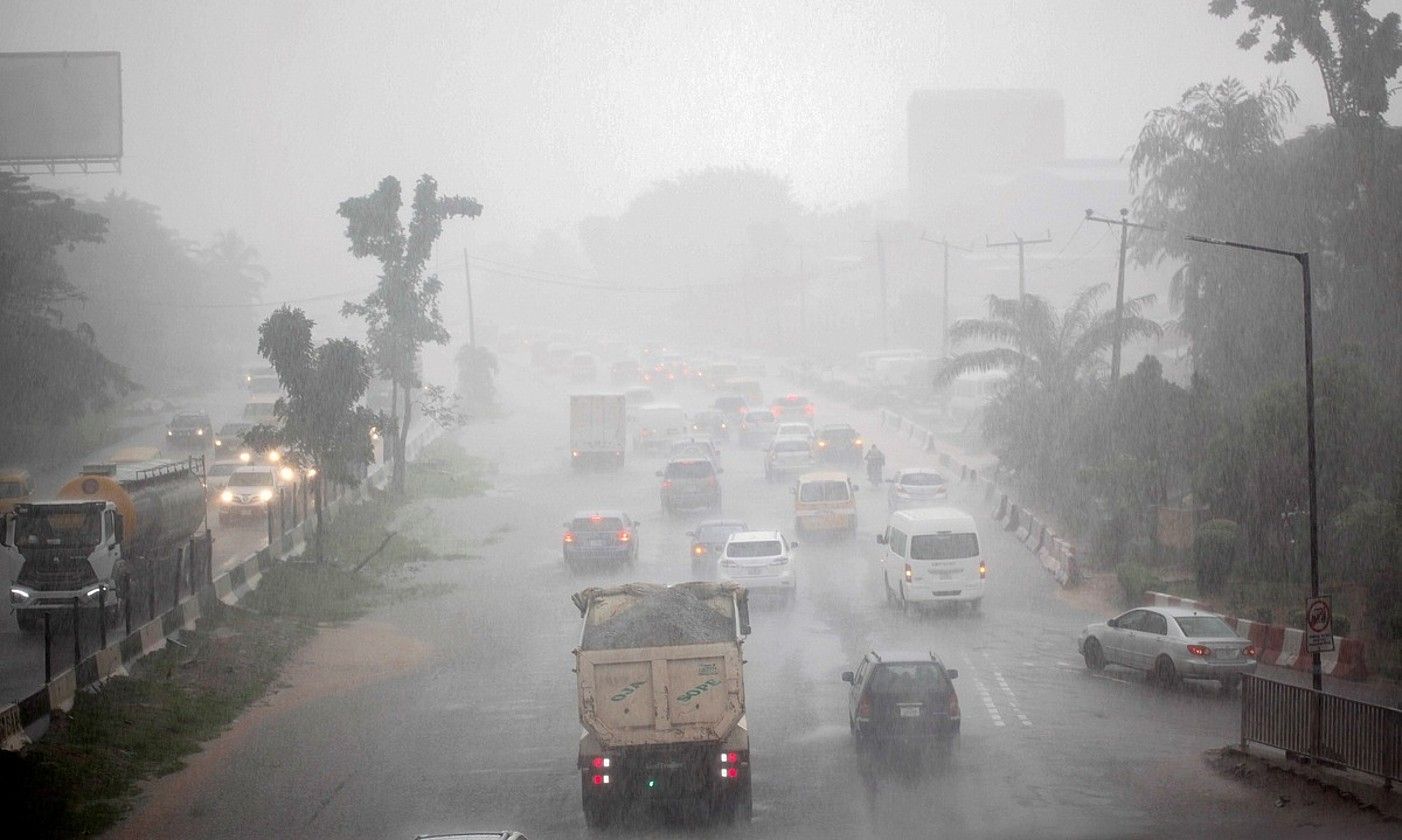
(824, 502)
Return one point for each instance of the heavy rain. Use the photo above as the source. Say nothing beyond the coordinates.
(700, 419)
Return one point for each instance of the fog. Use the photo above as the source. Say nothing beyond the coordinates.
(262, 116)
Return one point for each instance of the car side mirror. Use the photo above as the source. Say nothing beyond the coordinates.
(848, 677)
(880, 539)
(952, 673)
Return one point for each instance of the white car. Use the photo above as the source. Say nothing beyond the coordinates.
(760, 560)
(248, 493)
(788, 456)
(915, 488)
(1170, 644)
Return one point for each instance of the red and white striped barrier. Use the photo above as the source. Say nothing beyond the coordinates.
(1281, 646)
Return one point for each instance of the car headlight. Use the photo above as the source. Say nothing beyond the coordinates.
(266, 494)
(311, 472)
(218, 442)
(245, 457)
(274, 456)
(288, 474)
(200, 432)
(226, 496)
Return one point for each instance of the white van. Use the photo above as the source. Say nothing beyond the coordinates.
(932, 556)
(658, 426)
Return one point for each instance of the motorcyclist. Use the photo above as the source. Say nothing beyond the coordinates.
(876, 462)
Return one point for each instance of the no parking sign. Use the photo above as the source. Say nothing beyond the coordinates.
(1319, 625)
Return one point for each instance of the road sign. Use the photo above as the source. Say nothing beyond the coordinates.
(1319, 625)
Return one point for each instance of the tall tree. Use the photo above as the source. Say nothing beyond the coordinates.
(319, 421)
(1357, 54)
(402, 312)
(53, 373)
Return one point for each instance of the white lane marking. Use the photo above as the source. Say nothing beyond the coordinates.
(986, 696)
(1012, 699)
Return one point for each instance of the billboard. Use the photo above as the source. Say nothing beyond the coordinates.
(60, 107)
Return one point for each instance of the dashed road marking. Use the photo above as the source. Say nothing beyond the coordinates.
(1012, 699)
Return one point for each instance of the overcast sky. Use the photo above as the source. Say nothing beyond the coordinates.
(260, 115)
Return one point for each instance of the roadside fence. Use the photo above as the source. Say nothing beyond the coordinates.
(1325, 728)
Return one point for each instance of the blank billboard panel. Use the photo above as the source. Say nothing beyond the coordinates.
(60, 106)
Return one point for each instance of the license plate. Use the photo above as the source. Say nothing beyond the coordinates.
(946, 575)
(1226, 653)
(910, 711)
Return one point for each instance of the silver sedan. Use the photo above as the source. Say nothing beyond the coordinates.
(916, 488)
(1170, 644)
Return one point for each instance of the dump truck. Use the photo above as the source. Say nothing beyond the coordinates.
(110, 525)
(598, 429)
(662, 699)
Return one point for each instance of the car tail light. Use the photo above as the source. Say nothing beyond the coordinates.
(952, 707)
(982, 570)
(810, 409)
(776, 411)
(1249, 652)
(698, 550)
(864, 708)
(909, 573)
(569, 536)
(596, 518)
(624, 536)
(1199, 650)
(666, 484)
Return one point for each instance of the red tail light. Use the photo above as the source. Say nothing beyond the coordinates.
(601, 779)
(909, 573)
(666, 484)
(1249, 652)
(810, 409)
(864, 708)
(776, 411)
(952, 709)
(1199, 650)
(569, 536)
(599, 762)
(624, 536)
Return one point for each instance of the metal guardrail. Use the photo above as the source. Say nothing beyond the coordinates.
(1323, 727)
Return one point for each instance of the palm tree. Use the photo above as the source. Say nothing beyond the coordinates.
(1049, 351)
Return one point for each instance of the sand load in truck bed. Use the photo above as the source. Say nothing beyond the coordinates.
(656, 616)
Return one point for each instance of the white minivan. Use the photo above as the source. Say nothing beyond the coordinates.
(932, 556)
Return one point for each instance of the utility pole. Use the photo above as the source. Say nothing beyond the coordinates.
(1021, 271)
(944, 305)
(881, 267)
(471, 321)
(1125, 224)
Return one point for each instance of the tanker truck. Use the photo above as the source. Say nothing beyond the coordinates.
(109, 525)
(662, 700)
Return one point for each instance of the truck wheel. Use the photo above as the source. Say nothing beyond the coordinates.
(596, 810)
(29, 621)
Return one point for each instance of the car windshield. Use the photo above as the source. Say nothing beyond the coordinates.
(718, 533)
(690, 469)
(754, 548)
(920, 480)
(901, 677)
(823, 491)
(249, 478)
(601, 523)
(838, 434)
(790, 446)
(943, 546)
(59, 527)
(730, 403)
(1204, 627)
(188, 420)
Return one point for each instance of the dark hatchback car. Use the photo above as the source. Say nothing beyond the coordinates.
(190, 430)
(838, 443)
(900, 698)
(603, 536)
(690, 484)
(708, 540)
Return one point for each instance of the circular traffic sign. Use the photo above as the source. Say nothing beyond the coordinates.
(1318, 617)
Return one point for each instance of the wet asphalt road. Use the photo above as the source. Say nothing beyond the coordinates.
(481, 732)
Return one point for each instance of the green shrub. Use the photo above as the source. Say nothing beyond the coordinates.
(1135, 580)
(1214, 552)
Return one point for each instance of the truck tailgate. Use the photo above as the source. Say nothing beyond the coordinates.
(661, 695)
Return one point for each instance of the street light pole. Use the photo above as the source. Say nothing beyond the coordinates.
(944, 306)
(1303, 258)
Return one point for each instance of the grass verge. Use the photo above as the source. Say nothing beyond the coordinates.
(78, 779)
(444, 470)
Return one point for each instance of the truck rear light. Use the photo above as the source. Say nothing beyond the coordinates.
(599, 762)
(569, 536)
(982, 570)
(1199, 650)
(909, 573)
(729, 758)
(952, 706)
(601, 778)
(730, 772)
